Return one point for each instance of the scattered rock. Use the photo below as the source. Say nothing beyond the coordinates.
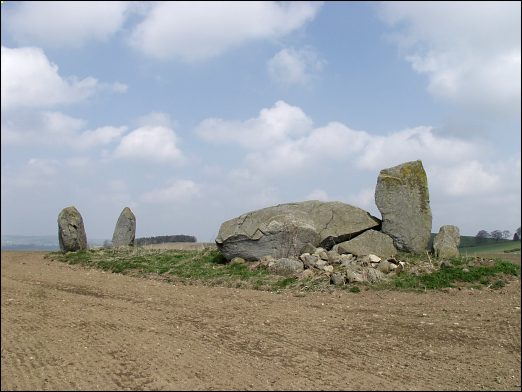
(307, 273)
(338, 279)
(237, 260)
(353, 276)
(266, 260)
(321, 253)
(386, 267)
(320, 264)
(374, 258)
(373, 275)
(308, 248)
(445, 264)
(71, 232)
(334, 257)
(286, 266)
(309, 260)
(328, 268)
(347, 260)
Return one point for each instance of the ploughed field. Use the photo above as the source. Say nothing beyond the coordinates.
(68, 327)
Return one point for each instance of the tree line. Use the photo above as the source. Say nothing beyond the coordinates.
(157, 240)
(482, 235)
(164, 238)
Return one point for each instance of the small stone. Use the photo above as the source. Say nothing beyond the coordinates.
(237, 260)
(308, 248)
(374, 258)
(338, 279)
(445, 264)
(328, 268)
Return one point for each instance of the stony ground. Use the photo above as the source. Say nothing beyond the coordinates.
(70, 328)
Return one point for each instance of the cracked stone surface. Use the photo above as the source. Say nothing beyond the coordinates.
(283, 230)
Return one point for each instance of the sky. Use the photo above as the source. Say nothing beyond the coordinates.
(193, 113)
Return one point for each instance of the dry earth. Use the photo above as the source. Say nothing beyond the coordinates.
(72, 328)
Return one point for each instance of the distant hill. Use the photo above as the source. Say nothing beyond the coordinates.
(37, 242)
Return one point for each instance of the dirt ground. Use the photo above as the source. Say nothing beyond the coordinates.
(72, 328)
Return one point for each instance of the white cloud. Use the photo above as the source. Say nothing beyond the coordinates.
(290, 66)
(55, 129)
(35, 173)
(282, 141)
(150, 143)
(412, 143)
(99, 136)
(29, 79)
(273, 125)
(469, 50)
(176, 191)
(467, 178)
(64, 23)
(459, 170)
(194, 31)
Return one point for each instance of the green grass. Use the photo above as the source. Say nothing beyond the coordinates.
(492, 275)
(203, 266)
(209, 267)
(491, 247)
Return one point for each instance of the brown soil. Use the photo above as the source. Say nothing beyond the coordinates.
(72, 328)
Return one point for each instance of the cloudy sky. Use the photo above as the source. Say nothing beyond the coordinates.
(194, 113)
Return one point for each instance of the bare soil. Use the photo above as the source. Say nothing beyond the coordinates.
(72, 328)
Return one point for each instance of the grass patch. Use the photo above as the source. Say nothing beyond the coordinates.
(457, 275)
(208, 266)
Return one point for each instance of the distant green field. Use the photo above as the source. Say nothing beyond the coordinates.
(471, 244)
(502, 249)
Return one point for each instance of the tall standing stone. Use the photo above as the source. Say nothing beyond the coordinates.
(125, 230)
(446, 242)
(402, 197)
(71, 232)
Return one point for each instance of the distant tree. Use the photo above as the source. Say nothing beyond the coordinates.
(496, 234)
(518, 232)
(164, 238)
(506, 234)
(516, 237)
(482, 235)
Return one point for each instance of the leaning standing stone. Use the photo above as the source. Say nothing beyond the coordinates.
(446, 242)
(125, 230)
(71, 232)
(402, 197)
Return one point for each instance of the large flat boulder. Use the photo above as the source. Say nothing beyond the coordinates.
(125, 230)
(402, 197)
(71, 232)
(284, 230)
(369, 242)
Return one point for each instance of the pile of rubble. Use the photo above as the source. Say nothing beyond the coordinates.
(340, 268)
